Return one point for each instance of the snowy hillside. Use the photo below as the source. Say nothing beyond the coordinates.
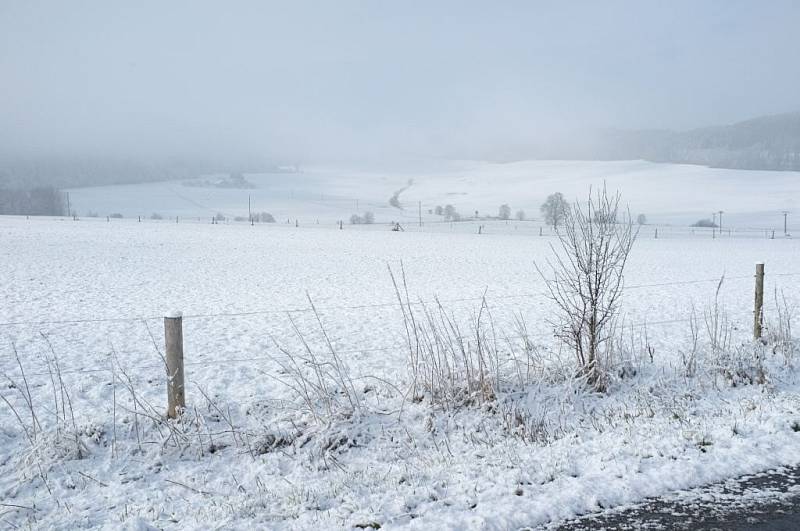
(666, 193)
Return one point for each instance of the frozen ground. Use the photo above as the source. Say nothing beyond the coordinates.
(667, 193)
(250, 452)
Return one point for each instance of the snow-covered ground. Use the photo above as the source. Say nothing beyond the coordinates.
(667, 193)
(367, 452)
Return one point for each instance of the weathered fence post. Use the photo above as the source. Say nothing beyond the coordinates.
(173, 338)
(758, 312)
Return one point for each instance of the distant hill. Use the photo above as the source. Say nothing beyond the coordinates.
(67, 172)
(764, 143)
(31, 171)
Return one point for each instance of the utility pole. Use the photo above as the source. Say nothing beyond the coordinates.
(785, 215)
(714, 225)
(720, 212)
(69, 212)
(420, 213)
(249, 211)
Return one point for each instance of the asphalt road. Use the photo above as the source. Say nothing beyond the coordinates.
(764, 502)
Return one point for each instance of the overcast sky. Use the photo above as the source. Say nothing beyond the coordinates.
(315, 80)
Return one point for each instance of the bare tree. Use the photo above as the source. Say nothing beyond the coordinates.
(588, 279)
(555, 209)
(504, 212)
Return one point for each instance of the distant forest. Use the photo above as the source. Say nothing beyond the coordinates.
(40, 201)
(32, 185)
(765, 143)
(30, 171)
(27, 172)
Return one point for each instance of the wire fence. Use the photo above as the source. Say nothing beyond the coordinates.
(395, 347)
(395, 304)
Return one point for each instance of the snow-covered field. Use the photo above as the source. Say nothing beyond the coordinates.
(84, 443)
(667, 193)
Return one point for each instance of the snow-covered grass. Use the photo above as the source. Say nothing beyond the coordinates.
(344, 416)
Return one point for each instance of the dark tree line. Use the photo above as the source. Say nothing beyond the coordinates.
(42, 201)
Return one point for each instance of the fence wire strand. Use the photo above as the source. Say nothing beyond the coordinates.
(362, 306)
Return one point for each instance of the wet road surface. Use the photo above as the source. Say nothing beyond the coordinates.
(765, 502)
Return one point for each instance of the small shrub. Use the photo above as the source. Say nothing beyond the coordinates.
(778, 329)
(704, 223)
(367, 219)
(156, 215)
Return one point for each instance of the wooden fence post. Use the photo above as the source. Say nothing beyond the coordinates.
(759, 312)
(173, 338)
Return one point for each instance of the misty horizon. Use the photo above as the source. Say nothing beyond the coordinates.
(356, 81)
